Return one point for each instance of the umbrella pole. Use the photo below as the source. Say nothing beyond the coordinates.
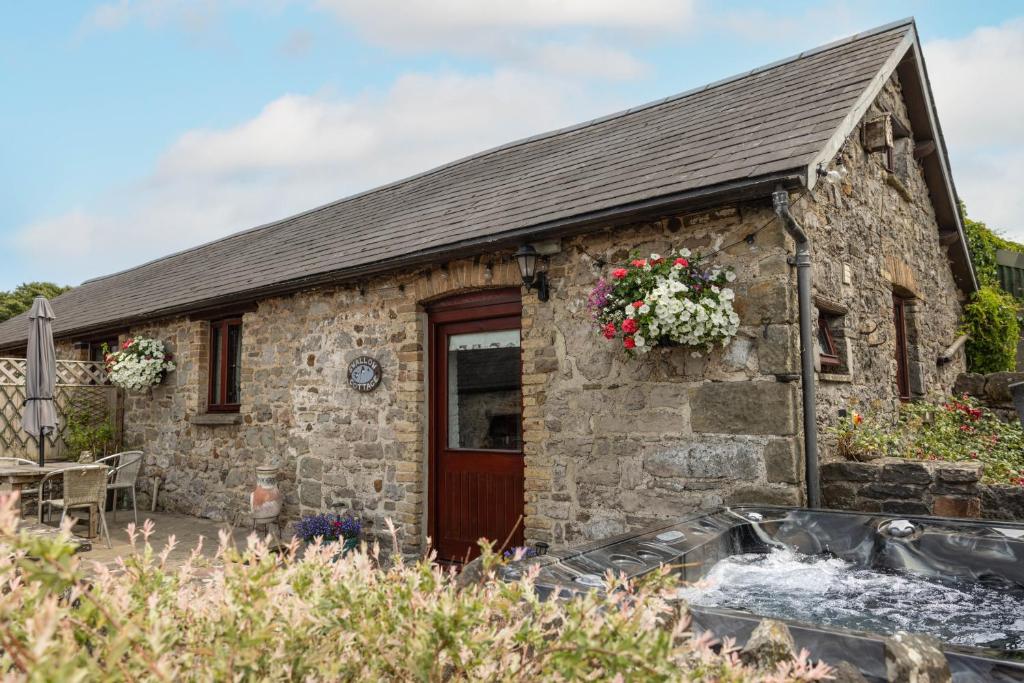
(42, 450)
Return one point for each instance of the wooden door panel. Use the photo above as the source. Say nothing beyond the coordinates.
(475, 504)
(477, 486)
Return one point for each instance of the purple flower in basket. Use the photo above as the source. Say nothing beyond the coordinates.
(328, 527)
(599, 297)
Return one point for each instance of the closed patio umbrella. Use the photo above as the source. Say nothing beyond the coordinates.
(39, 417)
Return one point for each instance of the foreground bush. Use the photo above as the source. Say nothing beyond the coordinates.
(257, 616)
(958, 429)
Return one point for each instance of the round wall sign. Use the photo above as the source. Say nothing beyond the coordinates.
(364, 373)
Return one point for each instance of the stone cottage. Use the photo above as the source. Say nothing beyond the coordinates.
(500, 411)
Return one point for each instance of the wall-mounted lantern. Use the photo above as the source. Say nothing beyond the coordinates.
(527, 258)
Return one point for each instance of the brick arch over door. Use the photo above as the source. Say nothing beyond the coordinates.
(464, 276)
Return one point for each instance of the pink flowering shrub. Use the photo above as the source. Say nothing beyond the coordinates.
(254, 615)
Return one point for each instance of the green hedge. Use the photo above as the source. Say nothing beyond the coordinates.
(990, 321)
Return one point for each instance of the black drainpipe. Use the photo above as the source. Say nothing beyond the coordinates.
(780, 199)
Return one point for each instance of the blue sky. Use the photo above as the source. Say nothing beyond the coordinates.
(134, 128)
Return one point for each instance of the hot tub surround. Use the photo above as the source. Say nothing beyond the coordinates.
(989, 556)
(922, 487)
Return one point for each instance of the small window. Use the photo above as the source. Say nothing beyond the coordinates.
(899, 316)
(225, 365)
(96, 353)
(830, 359)
(831, 342)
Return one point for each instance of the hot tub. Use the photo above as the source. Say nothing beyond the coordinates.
(841, 580)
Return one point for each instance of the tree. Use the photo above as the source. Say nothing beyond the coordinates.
(20, 298)
(991, 318)
(983, 242)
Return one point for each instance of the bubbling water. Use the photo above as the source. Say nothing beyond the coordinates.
(785, 584)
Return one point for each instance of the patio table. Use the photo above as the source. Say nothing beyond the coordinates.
(16, 477)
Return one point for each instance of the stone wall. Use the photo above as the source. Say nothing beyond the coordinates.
(610, 442)
(991, 390)
(874, 233)
(909, 487)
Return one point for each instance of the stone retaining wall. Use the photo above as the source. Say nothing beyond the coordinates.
(992, 390)
(910, 487)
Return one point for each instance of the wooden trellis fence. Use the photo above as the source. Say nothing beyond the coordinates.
(82, 387)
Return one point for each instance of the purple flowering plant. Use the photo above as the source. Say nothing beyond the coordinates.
(520, 553)
(328, 527)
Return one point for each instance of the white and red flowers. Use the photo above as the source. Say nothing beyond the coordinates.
(140, 363)
(666, 301)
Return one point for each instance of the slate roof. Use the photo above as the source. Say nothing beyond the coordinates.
(776, 121)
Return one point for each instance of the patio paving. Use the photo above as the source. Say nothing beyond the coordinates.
(186, 531)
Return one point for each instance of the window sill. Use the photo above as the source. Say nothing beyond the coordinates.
(836, 377)
(216, 419)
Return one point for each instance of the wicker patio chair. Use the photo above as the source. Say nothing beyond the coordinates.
(84, 487)
(123, 475)
(30, 492)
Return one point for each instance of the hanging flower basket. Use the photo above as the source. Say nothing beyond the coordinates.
(139, 364)
(661, 301)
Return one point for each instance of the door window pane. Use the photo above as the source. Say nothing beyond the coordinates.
(484, 394)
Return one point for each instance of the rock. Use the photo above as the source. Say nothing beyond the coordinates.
(707, 459)
(912, 658)
(959, 473)
(883, 490)
(472, 574)
(906, 472)
(956, 506)
(769, 644)
(848, 471)
(782, 461)
(845, 672)
(997, 386)
(755, 494)
(743, 408)
(970, 383)
(905, 507)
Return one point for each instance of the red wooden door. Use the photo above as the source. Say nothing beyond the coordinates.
(476, 453)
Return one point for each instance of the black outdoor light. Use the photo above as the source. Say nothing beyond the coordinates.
(527, 257)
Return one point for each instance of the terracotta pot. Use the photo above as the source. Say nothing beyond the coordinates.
(265, 500)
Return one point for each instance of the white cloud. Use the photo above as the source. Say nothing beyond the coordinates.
(192, 16)
(300, 151)
(433, 23)
(981, 108)
(577, 38)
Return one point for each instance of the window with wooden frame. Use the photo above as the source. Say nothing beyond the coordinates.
(225, 365)
(831, 336)
(96, 348)
(899, 316)
(829, 351)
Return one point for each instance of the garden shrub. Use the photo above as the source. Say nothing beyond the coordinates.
(255, 615)
(958, 429)
(990, 321)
